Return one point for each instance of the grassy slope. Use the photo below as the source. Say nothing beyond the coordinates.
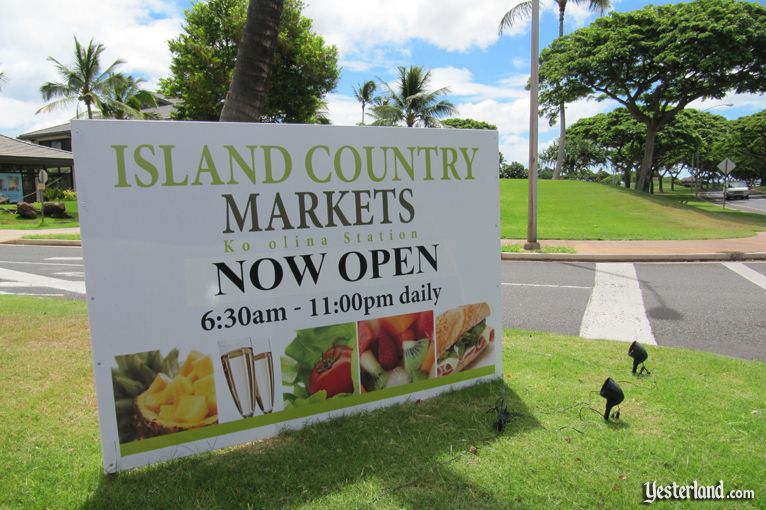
(581, 210)
(12, 221)
(705, 420)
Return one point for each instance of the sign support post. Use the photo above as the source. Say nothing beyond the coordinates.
(42, 179)
(726, 166)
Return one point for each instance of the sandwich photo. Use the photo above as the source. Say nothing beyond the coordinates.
(462, 336)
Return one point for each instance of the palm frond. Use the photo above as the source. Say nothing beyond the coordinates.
(54, 105)
(519, 13)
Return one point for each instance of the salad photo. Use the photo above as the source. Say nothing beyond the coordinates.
(320, 364)
(396, 350)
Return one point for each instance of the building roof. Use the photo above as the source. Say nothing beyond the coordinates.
(61, 129)
(165, 106)
(19, 152)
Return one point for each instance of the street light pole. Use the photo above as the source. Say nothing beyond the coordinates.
(532, 243)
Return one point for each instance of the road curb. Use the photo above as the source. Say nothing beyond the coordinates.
(633, 257)
(44, 242)
(539, 257)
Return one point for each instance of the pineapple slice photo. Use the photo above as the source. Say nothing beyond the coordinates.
(166, 397)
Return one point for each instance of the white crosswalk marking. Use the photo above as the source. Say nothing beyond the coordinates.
(544, 285)
(616, 308)
(64, 258)
(747, 273)
(42, 281)
(74, 274)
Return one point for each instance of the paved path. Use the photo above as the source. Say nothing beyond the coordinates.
(12, 235)
(755, 244)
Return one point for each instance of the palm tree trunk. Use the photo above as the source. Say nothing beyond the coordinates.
(562, 119)
(362, 112)
(90, 112)
(246, 99)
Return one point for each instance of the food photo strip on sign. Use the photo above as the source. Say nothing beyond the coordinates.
(292, 272)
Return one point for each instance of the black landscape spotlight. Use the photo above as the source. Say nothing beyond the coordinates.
(613, 394)
(639, 355)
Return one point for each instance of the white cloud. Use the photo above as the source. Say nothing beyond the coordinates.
(370, 33)
(754, 102)
(133, 30)
(344, 110)
(461, 84)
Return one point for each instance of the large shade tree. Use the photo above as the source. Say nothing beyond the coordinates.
(84, 81)
(204, 57)
(522, 12)
(409, 101)
(692, 140)
(657, 60)
(747, 144)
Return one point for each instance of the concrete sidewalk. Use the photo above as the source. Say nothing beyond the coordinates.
(15, 236)
(747, 248)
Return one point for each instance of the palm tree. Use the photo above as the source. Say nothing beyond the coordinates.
(125, 99)
(2, 78)
(412, 103)
(523, 11)
(246, 99)
(85, 81)
(365, 94)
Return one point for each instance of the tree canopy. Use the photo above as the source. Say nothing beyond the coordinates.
(657, 60)
(84, 81)
(204, 56)
(747, 143)
(365, 94)
(459, 123)
(105, 92)
(410, 102)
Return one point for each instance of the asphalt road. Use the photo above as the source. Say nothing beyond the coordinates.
(42, 271)
(715, 307)
(755, 204)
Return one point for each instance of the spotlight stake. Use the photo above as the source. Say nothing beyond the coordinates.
(639, 355)
(613, 394)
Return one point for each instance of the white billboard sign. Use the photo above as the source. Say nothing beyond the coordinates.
(242, 278)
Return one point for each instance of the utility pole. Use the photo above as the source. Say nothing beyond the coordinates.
(532, 243)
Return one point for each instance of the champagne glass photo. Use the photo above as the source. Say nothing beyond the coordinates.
(263, 368)
(238, 367)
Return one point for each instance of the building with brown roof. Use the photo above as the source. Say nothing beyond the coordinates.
(20, 161)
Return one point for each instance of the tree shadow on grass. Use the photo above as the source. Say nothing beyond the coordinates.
(406, 455)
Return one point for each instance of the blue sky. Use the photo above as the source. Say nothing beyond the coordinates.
(457, 40)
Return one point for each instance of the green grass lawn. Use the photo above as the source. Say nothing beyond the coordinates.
(9, 219)
(62, 237)
(705, 420)
(583, 210)
(519, 248)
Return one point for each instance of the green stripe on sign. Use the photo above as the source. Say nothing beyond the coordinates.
(187, 436)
